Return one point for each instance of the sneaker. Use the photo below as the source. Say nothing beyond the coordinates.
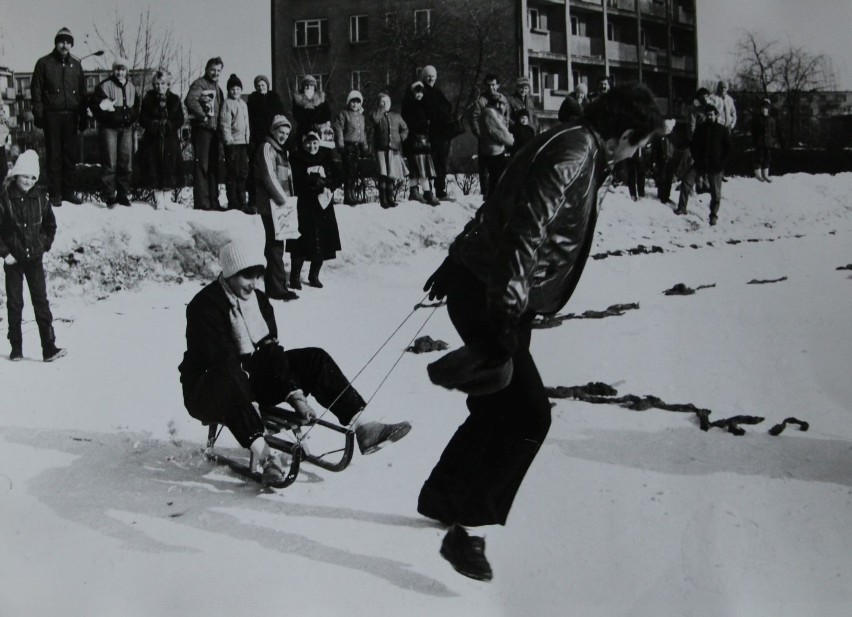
(53, 353)
(274, 474)
(16, 354)
(466, 554)
(373, 436)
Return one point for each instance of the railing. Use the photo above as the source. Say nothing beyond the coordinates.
(649, 7)
(624, 5)
(621, 51)
(539, 41)
(586, 46)
(683, 63)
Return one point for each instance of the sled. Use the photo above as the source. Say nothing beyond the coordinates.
(279, 422)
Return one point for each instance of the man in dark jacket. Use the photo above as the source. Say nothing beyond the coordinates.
(710, 148)
(521, 256)
(58, 95)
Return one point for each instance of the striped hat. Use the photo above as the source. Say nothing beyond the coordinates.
(64, 35)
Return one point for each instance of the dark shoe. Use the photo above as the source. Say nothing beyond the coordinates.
(414, 195)
(466, 554)
(274, 474)
(295, 283)
(49, 354)
(17, 353)
(373, 436)
(56, 203)
(712, 219)
(680, 211)
(71, 198)
(430, 199)
(112, 202)
(124, 200)
(285, 295)
(314, 282)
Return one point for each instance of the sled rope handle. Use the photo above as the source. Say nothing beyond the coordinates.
(373, 357)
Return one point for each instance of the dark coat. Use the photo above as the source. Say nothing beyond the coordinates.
(27, 223)
(58, 85)
(523, 134)
(417, 118)
(440, 112)
(764, 131)
(319, 237)
(309, 114)
(710, 147)
(530, 240)
(570, 109)
(389, 130)
(159, 154)
(262, 108)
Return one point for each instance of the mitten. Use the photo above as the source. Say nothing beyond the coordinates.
(300, 405)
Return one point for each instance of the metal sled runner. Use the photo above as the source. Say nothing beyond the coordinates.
(279, 421)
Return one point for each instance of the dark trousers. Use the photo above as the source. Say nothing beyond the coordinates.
(33, 271)
(483, 465)
(495, 165)
(714, 186)
(670, 169)
(482, 168)
(224, 394)
(275, 277)
(635, 176)
(60, 144)
(205, 176)
(440, 156)
(4, 161)
(237, 167)
(117, 159)
(349, 157)
(762, 157)
(250, 180)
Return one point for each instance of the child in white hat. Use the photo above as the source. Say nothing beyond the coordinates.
(27, 229)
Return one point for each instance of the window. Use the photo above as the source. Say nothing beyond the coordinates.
(359, 80)
(578, 28)
(535, 78)
(422, 21)
(532, 19)
(310, 33)
(358, 31)
(610, 31)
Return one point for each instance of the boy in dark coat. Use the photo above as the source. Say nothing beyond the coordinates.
(521, 129)
(27, 229)
(710, 148)
(765, 136)
(521, 256)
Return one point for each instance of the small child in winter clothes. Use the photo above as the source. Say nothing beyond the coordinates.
(27, 229)
(389, 132)
(521, 130)
(350, 137)
(234, 128)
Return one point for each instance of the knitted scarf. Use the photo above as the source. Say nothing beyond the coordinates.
(247, 323)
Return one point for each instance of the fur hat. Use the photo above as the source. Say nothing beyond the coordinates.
(263, 78)
(119, 61)
(64, 34)
(308, 80)
(523, 81)
(26, 165)
(278, 121)
(233, 80)
(460, 370)
(354, 95)
(238, 255)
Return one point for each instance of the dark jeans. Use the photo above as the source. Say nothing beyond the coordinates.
(670, 169)
(117, 155)
(237, 166)
(482, 467)
(762, 156)
(33, 271)
(715, 188)
(440, 156)
(205, 176)
(635, 176)
(349, 157)
(222, 393)
(275, 277)
(495, 166)
(60, 144)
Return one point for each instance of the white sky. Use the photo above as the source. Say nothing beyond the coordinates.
(239, 31)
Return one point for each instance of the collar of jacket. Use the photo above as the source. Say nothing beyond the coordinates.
(114, 80)
(309, 103)
(66, 59)
(274, 143)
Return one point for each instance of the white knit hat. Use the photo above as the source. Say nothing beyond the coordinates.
(26, 165)
(238, 255)
(119, 61)
(354, 95)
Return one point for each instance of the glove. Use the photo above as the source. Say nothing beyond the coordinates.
(437, 284)
(9, 260)
(300, 404)
(38, 121)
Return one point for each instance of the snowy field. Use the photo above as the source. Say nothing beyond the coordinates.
(108, 506)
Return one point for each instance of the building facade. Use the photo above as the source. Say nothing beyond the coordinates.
(348, 44)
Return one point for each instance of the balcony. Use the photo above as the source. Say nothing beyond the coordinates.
(545, 44)
(586, 47)
(621, 52)
(654, 57)
(551, 99)
(682, 16)
(683, 63)
(622, 5)
(650, 7)
(597, 3)
(10, 94)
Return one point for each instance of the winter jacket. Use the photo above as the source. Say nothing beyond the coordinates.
(726, 108)
(570, 109)
(764, 131)
(519, 103)
(262, 108)
(125, 104)
(273, 177)
(309, 113)
(389, 130)
(494, 135)
(523, 134)
(710, 147)
(204, 103)
(58, 84)
(440, 112)
(349, 128)
(27, 223)
(319, 236)
(479, 107)
(234, 122)
(530, 239)
(210, 342)
(159, 149)
(417, 118)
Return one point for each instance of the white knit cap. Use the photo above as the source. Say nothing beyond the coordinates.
(119, 61)
(26, 165)
(238, 255)
(354, 95)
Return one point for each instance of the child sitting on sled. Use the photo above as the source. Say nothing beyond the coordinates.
(234, 360)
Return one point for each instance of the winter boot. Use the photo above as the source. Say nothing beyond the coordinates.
(383, 194)
(390, 194)
(274, 474)
(466, 553)
(51, 352)
(313, 274)
(296, 273)
(429, 198)
(766, 175)
(757, 174)
(713, 219)
(17, 352)
(414, 195)
(373, 436)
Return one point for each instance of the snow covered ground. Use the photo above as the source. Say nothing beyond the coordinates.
(108, 506)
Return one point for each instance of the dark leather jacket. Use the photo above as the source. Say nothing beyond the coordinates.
(58, 85)
(27, 224)
(530, 240)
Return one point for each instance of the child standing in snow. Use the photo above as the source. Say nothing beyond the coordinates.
(350, 137)
(710, 148)
(234, 127)
(389, 132)
(27, 229)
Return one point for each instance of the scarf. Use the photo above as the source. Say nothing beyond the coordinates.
(247, 323)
